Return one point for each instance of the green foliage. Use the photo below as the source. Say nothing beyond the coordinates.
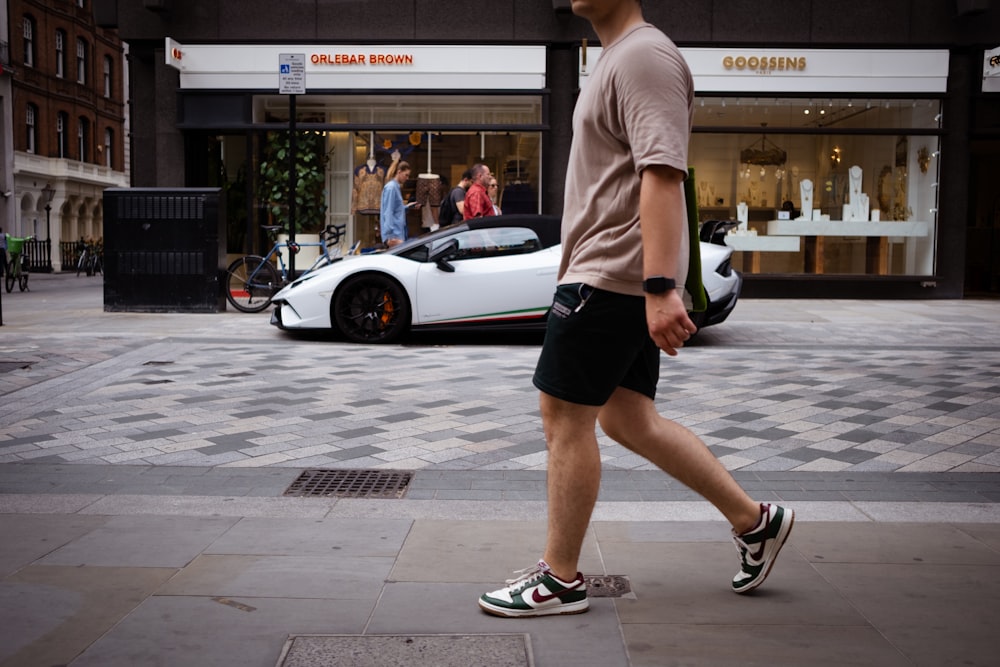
(310, 163)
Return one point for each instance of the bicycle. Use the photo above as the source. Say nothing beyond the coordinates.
(252, 281)
(17, 267)
(89, 260)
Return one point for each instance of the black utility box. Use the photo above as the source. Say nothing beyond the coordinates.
(164, 250)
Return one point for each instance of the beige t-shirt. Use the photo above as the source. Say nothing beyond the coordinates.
(635, 110)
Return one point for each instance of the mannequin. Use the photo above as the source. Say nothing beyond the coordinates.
(742, 214)
(429, 195)
(806, 192)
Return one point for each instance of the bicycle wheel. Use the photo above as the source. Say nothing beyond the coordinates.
(80, 263)
(22, 279)
(250, 283)
(9, 277)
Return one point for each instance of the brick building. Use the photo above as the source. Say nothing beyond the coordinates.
(67, 120)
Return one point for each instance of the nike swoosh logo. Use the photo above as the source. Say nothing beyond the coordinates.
(538, 598)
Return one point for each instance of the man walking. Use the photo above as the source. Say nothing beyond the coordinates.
(477, 200)
(617, 304)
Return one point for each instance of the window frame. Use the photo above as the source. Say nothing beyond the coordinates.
(29, 26)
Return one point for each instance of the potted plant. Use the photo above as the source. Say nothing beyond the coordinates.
(310, 195)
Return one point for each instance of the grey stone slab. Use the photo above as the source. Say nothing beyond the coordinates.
(249, 632)
(332, 576)
(592, 639)
(754, 645)
(934, 614)
(49, 614)
(46, 503)
(483, 650)
(142, 541)
(891, 543)
(28, 537)
(690, 583)
(309, 537)
(443, 551)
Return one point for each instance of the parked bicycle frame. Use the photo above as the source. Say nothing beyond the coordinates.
(17, 267)
(252, 280)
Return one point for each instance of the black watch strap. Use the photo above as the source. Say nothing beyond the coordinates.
(658, 285)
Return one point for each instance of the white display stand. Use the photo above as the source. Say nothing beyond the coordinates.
(763, 243)
(846, 228)
(877, 233)
(753, 245)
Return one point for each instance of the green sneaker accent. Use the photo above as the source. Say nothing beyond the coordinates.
(537, 592)
(759, 548)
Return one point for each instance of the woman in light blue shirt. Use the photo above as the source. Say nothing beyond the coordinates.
(392, 215)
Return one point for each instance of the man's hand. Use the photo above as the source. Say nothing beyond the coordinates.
(668, 321)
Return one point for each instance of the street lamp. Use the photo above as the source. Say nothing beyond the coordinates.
(48, 193)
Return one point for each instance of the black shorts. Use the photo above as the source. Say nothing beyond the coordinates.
(595, 342)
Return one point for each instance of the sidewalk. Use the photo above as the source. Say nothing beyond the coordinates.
(144, 458)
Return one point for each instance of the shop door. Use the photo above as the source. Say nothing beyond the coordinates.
(982, 248)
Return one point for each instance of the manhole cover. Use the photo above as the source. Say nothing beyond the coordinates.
(607, 585)
(504, 650)
(350, 484)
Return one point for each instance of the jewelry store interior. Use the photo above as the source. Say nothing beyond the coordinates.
(831, 186)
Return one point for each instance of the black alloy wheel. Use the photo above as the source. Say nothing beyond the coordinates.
(371, 308)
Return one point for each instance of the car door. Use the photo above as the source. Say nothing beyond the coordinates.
(498, 275)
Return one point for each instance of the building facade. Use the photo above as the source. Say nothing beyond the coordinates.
(852, 141)
(67, 123)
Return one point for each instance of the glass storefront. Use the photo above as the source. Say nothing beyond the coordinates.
(347, 144)
(831, 186)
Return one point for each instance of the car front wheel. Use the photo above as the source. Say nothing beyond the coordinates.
(371, 308)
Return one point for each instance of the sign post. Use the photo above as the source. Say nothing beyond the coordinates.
(292, 82)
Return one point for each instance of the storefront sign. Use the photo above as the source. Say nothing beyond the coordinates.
(383, 67)
(764, 64)
(991, 71)
(856, 71)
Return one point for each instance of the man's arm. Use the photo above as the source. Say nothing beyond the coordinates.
(663, 215)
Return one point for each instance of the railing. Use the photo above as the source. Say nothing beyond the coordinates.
(69, 254)
(39, 255)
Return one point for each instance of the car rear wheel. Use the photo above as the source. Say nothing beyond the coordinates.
(371, 308)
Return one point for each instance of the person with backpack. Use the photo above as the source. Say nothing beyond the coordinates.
(453, 206)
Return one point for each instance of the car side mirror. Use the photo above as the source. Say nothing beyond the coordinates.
(443, 253)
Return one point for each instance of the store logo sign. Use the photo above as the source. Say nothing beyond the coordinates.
(361, 59)
(764, 64)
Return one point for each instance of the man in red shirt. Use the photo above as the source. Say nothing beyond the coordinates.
(477, 200)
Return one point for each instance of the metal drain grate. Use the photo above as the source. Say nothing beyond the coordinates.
(350, 484)
(607, 585)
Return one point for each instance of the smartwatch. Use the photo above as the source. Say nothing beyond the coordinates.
(658, 285)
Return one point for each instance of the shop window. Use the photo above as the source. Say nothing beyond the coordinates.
(833, 186)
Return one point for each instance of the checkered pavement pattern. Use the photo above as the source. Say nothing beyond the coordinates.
(889, 406)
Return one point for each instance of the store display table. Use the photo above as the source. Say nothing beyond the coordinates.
(754, 245)
(877, 234)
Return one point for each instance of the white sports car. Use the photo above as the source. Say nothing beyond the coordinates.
(495, 272)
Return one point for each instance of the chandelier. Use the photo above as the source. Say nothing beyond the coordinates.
(764, 153)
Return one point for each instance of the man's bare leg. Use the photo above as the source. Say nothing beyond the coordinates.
(631, 419)
(574, 480)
